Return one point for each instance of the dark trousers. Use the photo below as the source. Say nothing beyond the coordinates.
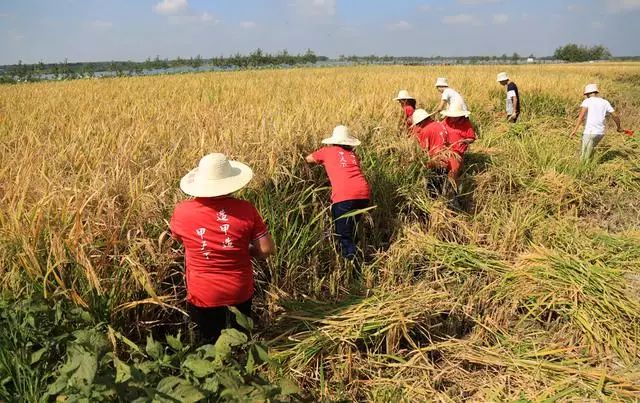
(345, 228)
(211, 321)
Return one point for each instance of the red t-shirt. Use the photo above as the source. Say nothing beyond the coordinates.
(216, 233)
(408, 111)
(457, 132)
(344, 172)
(432, 137)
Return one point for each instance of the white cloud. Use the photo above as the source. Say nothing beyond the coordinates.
(500, 19)
(248, 24)
(170, 7)
(400, 26)
(315, 8)
(460, 19)
(617, 6)
(100, 25)
(193, 18)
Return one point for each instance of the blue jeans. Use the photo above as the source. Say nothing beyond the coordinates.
(345, 228)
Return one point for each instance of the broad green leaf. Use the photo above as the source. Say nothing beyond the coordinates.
(209, 350)
(211, 385)
(37, 355)
(199, 367)
(262, 352)
(250, 366)
(123, 371)
(81, 366)
(288, 387)
(174, 388)
(154, 348)
(174, 342)
(229, 339)
(243, 320)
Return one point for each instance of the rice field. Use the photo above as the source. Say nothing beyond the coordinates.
(531, 292)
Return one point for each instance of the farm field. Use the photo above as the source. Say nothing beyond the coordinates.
(531, 292)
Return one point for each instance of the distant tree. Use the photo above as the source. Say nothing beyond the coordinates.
(515, 57)
(581, 53)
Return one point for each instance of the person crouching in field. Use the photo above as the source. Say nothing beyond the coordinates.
(596, 110)
(408, 104)
(513, 97)
(449, 96)
(432, 137)
(349, 188)
(460, 134)
(220, 234)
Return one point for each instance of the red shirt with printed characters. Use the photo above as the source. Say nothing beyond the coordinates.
(344, 172)
(216, 233)
(459, 130)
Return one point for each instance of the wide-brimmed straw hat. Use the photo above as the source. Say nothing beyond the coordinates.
(502, 77)
(419, 115)
(341, 136)
(590, 88)
(403, 94)
(455, 111)
(442, 82)
(216, 176)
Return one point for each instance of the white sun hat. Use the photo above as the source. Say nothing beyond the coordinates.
(341, 136)
(419, 115)
(403, 94)
(216, 176)
(455, 111)
(590, 88)
(502, 77)
(442, 82)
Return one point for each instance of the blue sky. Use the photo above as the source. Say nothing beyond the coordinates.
(91, 30)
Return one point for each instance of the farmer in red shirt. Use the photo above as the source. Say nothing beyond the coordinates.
(460, 134)
(432, 137)
(220, 234)
(349, 188)
(408, 104)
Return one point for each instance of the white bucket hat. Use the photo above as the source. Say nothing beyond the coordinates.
(419, 115)
(341, 136)
(216, 176)
(502, 77)
(590, 88)
(403, 94)
(442, 82)
(455, 111)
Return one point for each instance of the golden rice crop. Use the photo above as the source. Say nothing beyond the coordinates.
(531, 291)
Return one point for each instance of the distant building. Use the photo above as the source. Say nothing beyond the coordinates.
(531, 60)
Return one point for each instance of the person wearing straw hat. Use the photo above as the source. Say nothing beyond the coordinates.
(449, 96)
(220, 234)
(460, 134)
(596, 110)
(350, 190)
(432, 137)
(408, 104)
(513, 97)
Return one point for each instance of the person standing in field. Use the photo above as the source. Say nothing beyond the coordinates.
(408, 104)
(513, 97)
(349, 187)
(449, 98)
(460, 134)
(596, 110)
(220, 234)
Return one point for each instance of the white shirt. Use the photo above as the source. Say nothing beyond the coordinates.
(453, 98)
(597, 109)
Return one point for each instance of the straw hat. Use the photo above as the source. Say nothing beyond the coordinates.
(216, 176)
(590, 88)
(403, 94)
(341, 136)
(455, 111)
(502, 77)
(419, 115)
(442, 82)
